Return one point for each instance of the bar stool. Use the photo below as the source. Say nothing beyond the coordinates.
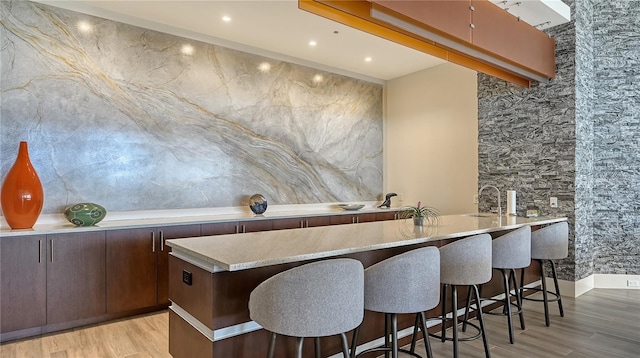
(319, 299)
(509, 252)
(405, 283)
(466, 262)
(547, 244)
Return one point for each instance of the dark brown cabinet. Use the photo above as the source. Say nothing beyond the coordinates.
(387, 215)
(132, 269)
(299, 223)
(238, 227)
(23, 275)
(75, 276)
(137, 261)
(65, 280)
(353, 218)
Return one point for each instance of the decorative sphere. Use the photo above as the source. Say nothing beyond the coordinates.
(258, 204)
(85, 214)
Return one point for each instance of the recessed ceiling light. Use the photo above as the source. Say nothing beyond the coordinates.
(368, 59)
(226, 18)
(312, 43)
(84, 26)
(187, 49)
(264, 67)
(318, 78)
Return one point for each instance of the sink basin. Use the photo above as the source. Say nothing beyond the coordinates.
(481, 215)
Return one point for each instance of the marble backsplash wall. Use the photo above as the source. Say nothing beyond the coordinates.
(139, 120)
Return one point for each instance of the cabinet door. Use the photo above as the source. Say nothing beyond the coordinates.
(387, 215)
(223, 228)
(255, 225)
(132, 269)
(281, 224)
(366, 218)
(75, 276)
(318, 221)
(23, 274)
(167, 233)
(343, 219)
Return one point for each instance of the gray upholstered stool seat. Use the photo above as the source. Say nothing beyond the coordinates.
(465, 262)
(319, 299)
(405, 283)
(547, 244)
(510, 251)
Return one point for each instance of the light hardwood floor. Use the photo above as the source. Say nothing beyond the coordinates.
(601, 323)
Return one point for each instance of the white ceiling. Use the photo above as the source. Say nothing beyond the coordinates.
(274, 28)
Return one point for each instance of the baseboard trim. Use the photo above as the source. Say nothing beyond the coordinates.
(610, 281)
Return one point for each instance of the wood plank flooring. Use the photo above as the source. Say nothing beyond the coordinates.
(600, 323)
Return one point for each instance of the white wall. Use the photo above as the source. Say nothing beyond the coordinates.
(431, 138)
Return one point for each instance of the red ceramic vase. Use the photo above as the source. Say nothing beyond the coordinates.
(22, 195)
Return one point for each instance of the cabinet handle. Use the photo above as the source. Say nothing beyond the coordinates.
(39, 251)
(153, 241)
(306, 223)
(51, 250)
(301, 223)
(237, 229)
(244, 229)
(161, 241)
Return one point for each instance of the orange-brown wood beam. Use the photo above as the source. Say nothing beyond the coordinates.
(356, 14)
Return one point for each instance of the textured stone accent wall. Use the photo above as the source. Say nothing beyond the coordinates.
(616, 127)
(137, 120)
(576, 138)
(585, 85)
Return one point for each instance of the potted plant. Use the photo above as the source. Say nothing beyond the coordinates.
(420, 214)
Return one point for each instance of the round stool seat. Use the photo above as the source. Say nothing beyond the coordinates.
(547, 244)
(550, 242)
(512, 250)
(319, 299)
(465, 262)
(405, 283)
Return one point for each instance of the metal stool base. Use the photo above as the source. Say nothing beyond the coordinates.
(545, 292)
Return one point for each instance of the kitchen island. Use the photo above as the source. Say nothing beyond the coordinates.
(211, 278)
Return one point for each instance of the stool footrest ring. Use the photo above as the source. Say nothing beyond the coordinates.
(387, 349)
(554, 299)
(465, 339)
(513, 304)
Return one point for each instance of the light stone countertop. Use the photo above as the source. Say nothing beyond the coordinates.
(56, 223)
(251, 250)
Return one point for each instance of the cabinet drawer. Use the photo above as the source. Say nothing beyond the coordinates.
(195, 298)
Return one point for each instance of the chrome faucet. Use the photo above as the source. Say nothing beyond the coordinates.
(498, 191)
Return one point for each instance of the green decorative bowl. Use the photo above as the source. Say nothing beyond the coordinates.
(85, 214)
